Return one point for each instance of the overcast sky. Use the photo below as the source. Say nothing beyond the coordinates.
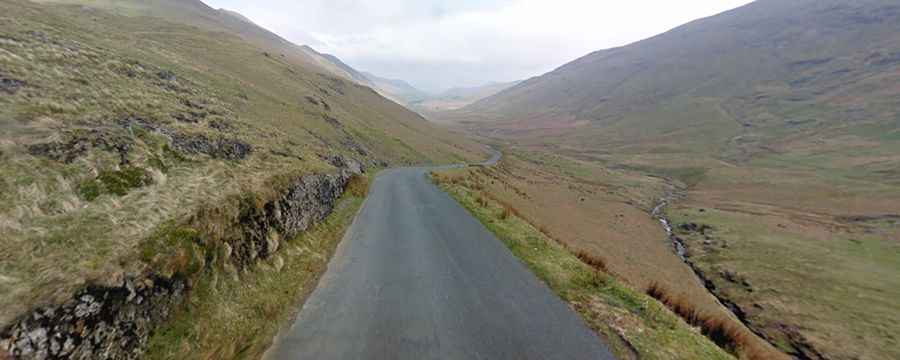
(438, 44)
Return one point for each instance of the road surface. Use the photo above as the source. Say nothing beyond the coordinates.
(417, 277)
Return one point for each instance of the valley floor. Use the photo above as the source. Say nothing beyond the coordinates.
(809, 265)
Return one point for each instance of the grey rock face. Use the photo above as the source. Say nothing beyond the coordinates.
(222, 148)
(77, 144)
(228, 149)
(10, 86)
(343, 162)
(97, 323)
(307, 200)
(166, 75)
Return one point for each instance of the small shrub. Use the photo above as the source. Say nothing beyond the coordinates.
(174, 249)
(724, 333)
(506, 212)
(358, 186)
(89, 190)
(591, 260)
(482, 201)
(436, 178)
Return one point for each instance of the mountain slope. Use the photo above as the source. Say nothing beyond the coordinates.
(769, 60)
(196, 13)
(399, 90)
(121, 118)
(778, 122)
(347, 69)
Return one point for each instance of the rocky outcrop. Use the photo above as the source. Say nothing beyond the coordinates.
(78, 142)
(308, 200)
(10, 86)
(97, 323)
(227, 149)
(115, 322)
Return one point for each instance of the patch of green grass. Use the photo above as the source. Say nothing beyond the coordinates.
(564, 165)
(690, 176)
(174, 249)
(841, 282)
(633, 324)
(115, 182)
(234, 315)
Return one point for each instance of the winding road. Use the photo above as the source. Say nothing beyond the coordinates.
(417, 277)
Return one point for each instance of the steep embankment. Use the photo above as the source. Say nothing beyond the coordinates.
(121, 120)
(115, 320)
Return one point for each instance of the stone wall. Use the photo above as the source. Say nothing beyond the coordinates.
(115, 322)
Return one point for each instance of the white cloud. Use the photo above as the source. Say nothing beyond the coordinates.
(439, 44)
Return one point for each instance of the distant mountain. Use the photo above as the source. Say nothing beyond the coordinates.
(406, 94)
(342, 67)
(399, 90)
(478, 92)
(459, 97)
(767, 66)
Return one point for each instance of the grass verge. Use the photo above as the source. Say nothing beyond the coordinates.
(236, 315)
(633, 324)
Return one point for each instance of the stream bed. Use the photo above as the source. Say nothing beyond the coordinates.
(677, 243)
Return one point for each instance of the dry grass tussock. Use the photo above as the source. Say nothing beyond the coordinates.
(483, 201)
(592, 260)
(722, 330)
(358, 186)
(507, 212)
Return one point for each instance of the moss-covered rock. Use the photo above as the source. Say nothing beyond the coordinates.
(116, 182)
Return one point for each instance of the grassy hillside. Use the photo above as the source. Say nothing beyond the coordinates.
(118, 116)
(777, 126)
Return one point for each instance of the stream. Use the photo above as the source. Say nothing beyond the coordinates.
(657, 213)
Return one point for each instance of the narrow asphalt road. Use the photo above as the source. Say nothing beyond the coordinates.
(417, 277)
